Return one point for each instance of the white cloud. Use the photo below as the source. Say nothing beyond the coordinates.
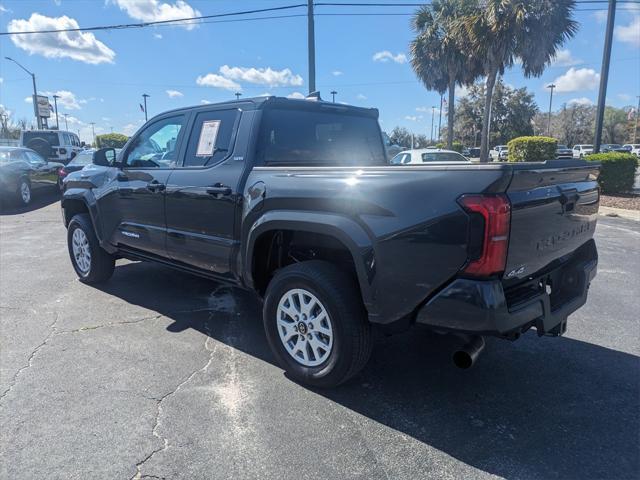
(174, 93)
(157, 36)
(4, 9)
(625, 97)
(336, 73)
(1, 80)
(462, 91)
(575, 80)
(580, 101)
(360, 96)
(67, 99)
(217, 81)
(386, 55)
(156, 11)
(262, 76)
(422, 109)
(296, 95)
(629, 33)
(266, 94)
(83, 47)
(205, 102)
(413, 118)
(131, 128)
(564, 59)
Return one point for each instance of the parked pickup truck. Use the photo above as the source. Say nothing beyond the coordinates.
(295, 200)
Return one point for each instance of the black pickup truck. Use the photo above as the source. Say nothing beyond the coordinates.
(295, 200)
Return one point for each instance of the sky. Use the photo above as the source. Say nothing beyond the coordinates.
(101, 76)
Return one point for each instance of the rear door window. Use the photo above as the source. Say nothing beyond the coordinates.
(211, 137)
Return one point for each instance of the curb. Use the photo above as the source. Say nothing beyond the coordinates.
(619, 212)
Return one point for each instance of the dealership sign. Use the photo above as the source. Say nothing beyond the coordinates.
(41, 106)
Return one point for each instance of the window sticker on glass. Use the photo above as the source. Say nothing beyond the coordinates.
(208, 135)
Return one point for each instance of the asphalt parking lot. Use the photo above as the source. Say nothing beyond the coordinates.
(159, 374)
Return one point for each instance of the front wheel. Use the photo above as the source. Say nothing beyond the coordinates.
(90, 261)
(316, 323)
(23, 193)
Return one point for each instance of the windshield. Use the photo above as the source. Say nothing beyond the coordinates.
(82, 159)
(564, 147)
(614, 145)
(50, 137)
(315, 138)
(443, 157)
(5, 157)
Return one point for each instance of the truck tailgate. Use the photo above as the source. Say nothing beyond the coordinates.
(554, 209)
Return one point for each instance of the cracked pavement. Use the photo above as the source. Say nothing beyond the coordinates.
(157, 374)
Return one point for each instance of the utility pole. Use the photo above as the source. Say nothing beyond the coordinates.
(55, 103)
(635, 128)
(66, 125)
(237, 94)
(311, 44)
(604, 74)
(440, 119)
(35, 92)
(333, 96)
(433, 116)
(145, 96)
(93, 132)
(551, 86)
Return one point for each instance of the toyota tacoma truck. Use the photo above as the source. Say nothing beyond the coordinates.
(296, 200)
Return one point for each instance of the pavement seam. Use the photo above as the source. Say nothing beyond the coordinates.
(165, 442)
(29, 364)
(110, 324)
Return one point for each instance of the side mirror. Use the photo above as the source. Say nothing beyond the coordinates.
(105, 157)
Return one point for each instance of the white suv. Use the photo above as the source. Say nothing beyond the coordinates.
(633, 148)
(54, 145)
(580, 151)
(499, 153)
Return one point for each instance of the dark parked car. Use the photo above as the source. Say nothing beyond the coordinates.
(294, 199)
(23, 172)
(563, 152)
(81, 160)
(612, 147)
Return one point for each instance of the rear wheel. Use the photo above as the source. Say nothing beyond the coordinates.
(23, 193)
(316, 323)
(90, 261)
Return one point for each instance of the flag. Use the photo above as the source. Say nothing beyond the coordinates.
(631, 114)
(141, 108)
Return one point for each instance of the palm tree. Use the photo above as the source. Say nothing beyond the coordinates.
(505, 31)
(437, 53)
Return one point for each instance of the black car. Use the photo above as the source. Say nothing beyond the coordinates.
(295, 200)
(23, 172)
(80, 161)
(562, 151)
(613, 147)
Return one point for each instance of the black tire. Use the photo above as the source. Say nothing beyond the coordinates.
(23, 183)
(102, 263)
(352, 334)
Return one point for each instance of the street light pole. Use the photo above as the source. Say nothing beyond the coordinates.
(237, 94)
(145, 96)
(635, 128)
(93, 132)
(551, 86)
(311, 45)
(35, 92)
(333, 96)
(66, 124)
(604, 74)
(55, 104)
(433, 116)
(440, 119)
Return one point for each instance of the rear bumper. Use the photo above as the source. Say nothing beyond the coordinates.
(485, 307)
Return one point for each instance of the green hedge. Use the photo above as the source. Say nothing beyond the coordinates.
(532, 149)
(457, 146)
(617, 172)
(111, 140)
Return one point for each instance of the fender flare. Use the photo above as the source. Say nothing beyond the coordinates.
(342, 228)
(87, 198)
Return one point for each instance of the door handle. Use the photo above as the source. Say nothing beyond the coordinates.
(219, 190)
(156, 186)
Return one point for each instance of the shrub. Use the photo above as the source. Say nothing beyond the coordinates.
(532, 149)
(111, 140)
(617, 172)
(457, 146)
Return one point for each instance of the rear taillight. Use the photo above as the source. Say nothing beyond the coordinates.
(495, 211)
(62, 151)
(62, 173)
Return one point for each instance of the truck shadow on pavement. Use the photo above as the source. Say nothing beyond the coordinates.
(39, 200)
(535, 408)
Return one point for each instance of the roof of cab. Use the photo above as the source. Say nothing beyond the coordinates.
(257, 103)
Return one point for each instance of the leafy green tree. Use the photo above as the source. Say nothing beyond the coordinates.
(111, 140)
(438, 56)
(503, 31)
(512, 114)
